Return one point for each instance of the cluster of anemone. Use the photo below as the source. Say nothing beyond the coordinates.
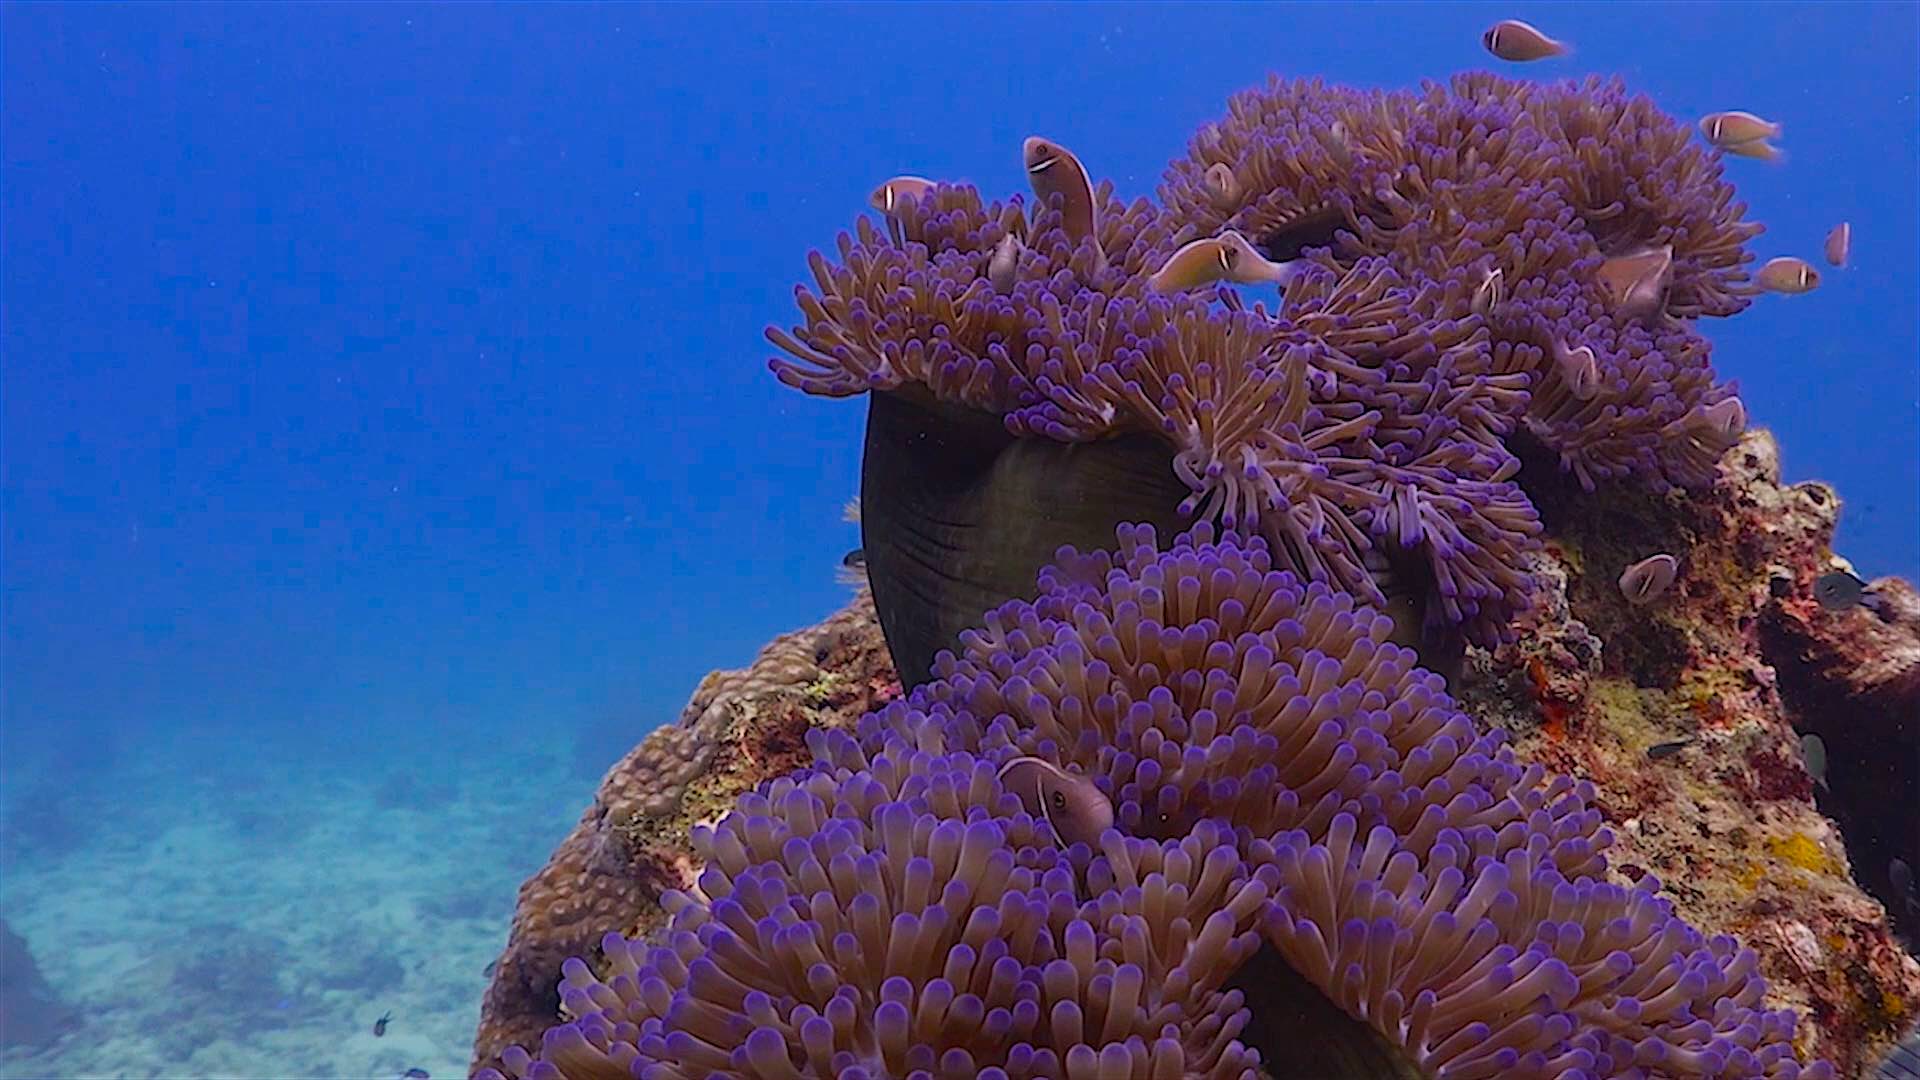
(1566, 190)
(1481, 258)
(1285, 782)
(1289, 793)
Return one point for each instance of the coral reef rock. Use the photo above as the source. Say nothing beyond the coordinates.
(741, 728)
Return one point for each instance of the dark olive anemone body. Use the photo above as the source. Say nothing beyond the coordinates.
(957, 516)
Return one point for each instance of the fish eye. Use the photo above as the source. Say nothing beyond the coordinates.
(1059, 800)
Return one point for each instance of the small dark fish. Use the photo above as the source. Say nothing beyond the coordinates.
(853, 568)
(415, 1073)
(1813, 750)
(1667, 749)
(1644, 581)
(380, 1025)
(1839, 244)
(1840, 590)
(1511, 39)
(492, 966)
(1071, 804)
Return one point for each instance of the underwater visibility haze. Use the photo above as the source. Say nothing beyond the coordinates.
(389, 446)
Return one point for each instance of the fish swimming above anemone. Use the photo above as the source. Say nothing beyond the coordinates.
(1741, 134)
(888, 197)
(1511, 39)
(1838, 246)
(1788, 274)
(1725, 129)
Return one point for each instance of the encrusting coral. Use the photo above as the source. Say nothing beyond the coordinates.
(1292, 793)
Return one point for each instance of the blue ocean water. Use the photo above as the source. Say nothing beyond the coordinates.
(387, 434)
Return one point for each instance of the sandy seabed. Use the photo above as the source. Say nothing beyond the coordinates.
(255, 924)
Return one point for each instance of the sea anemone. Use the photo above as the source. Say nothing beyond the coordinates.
(1557, 187)
(1205, 683)
(1307, 835)
(1487, 262)
(1430, 884)
(1285, 783)
(914, 918)
(1355, 419)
